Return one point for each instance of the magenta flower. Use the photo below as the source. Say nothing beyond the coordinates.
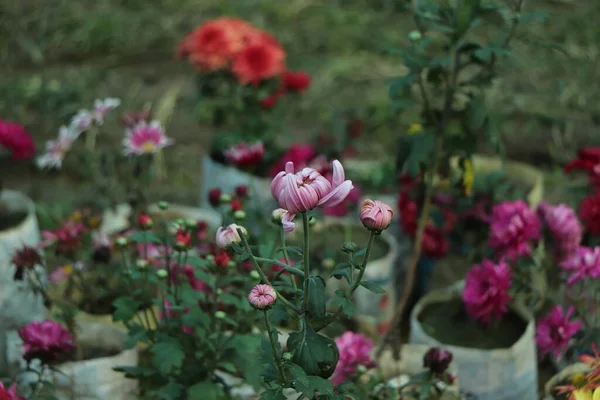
(513, 226)
(554, 331)
(302, 191)
(486, 290)
(227, 236)
(56, 150)
(437, 360)
(355, 350)
(376, 215)
(262, 297)
(564, 227)
(45, 340)
(245, 155)
(145, 138)
(15, 139)
(10, 393)
(584, 263)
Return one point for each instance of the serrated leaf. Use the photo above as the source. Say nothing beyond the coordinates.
(316, 354)
(341, 300)
(317, 299)
(136, 334)
(320, 385)
(372, 287)
(167, 355)
(273, 394)
(125, 308)
(342, 271)
(205, 391)
(142, 237)
(170, 391)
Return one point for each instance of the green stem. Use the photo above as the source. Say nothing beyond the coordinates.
(274, 347)
(261, 273)
(306, 257)
(286, 256)
(286, 267)
(355, 285)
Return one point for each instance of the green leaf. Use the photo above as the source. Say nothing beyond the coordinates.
(273, 394)
(397, 85)
(476, 114)
(136, 333)
(279, 313)
(323, 386)
(292, 250)
(342, 271)
(205, 391)
(170, 391)
(421, 147)
(372, 287)
(145, 237)
(317, 300)
(298, 377)
(135, 372)
(195, 317)
(125, 308)
(341, 300)
(315, 353)
(167, 355)
(197, 262)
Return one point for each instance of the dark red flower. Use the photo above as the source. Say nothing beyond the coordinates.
(25, 258)
(589, 212)
(299, 154)
(16, 140)
(236, 204)
(437, 360)
(201, 230)
(241, 190)
(434, 244)
(183, 240)
(354, 128)
(222, 259)
(245, 155)
(409, 213)
(145, 221)
(296, 81)
(258, 61)
(588, 159)
(269, 101)
(214, 197)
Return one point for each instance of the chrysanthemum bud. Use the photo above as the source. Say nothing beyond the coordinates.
(225, 199)
(183, 240)
(145, 221)
(162, 273)
(277, 215)
(141, 264)
(262, 297)
(190, 223)
(350, 247)
(375, 215)
(239, 215)
(210, 257)
(227, 236)
(254, 275)
(231, 264)
(328, 263)
(219, 292)
(287, 356)
(415, 35)
(214, 197)
(220, 315)
(241, 190)
(163, 205)
(122, 241)
(312, 221)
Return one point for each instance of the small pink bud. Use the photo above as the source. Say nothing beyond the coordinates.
(262, 297)
(227, 236)
(375, 215)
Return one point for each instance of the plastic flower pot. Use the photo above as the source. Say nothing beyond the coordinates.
(562, 378)
(217, 175)
(18, 304)
(497, 363)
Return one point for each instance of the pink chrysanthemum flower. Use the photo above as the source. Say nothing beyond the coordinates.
(246, 155)
(513, 227)
(262, 297)
(45, 340)
(564, 227)
(486, 290)
(56, 150)
(10, 393)
(554, 331)
(584, 263)
(145, 138)
(355, 350)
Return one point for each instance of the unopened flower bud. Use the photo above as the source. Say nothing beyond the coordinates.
(361, 369)
(180, 222)
(214, 197)
(312, 221)
(228, 236)
(141, 264)
(287, 356)
(254, 275)
(190, 223)
(219, 292)
(328, 263)
(415, 35)
(375, 215)
(225, 199)
(220, 315)
(210, 257)
(236, 205)
(183, 240)
(162, 273)
(277, 215)
(262, 297)
(163, 205)
(145, 221)
(350, 247)
(231, 264)
(122, 241)
(239, 215)
(241, 190)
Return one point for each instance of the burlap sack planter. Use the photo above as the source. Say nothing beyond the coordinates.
(497, 374)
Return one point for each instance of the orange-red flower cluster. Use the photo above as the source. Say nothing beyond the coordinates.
(229, 43)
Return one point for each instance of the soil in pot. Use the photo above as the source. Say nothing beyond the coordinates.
(449, 323)
(11, 219)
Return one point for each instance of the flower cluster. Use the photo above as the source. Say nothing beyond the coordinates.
(513, 229)
(16, 140)
(45, 340)
(485, 294)
(588, 160)
(355, 352)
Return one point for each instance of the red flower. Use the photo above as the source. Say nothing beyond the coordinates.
(241, 190)
(299, 154)
(214, 197)
(144, 220)
(270, 101)
(259, 61)
(245, 155)
(25, 258)
(409, 213)
(236, 205)
(589, 212)
(222, 259)
(434, 244)
(296, 81)
(588, 159)
(16, 140)
(183, 239)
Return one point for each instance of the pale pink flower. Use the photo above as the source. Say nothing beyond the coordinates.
(262, 297)
(564, 227)
(56, 150)
(227, 236)
(355, 351)
(60, 274)
(302, 191)
(45, 340)
(103, 107)
(376, 215)
(82, 121)
(486, 290)
(101, 239)
(513, 228)
(245, 155)
(145, 138)
(584, 263)
(10, 393)
(554, 332)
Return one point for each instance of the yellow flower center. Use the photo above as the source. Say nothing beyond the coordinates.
(414, 128)
(68, 269)
(148, 147)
